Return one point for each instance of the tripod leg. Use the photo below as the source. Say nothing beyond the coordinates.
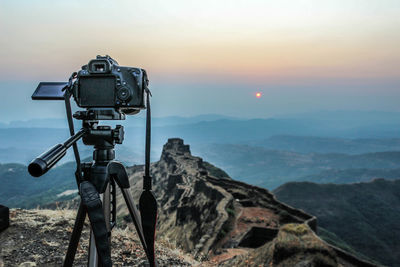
(118, 173)
(91, 200)
(106, 206)
(133, 211)
(93, 256)
(75, 236)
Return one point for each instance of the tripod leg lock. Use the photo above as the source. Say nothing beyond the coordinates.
(118, 172)
(91, 200)
(90, 196)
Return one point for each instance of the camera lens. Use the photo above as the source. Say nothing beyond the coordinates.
(123, 94)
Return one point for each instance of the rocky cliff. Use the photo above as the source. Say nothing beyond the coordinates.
(228, 222)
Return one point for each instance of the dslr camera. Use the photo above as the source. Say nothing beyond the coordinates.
(101, 84)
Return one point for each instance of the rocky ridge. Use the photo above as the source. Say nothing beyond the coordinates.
(227, 222)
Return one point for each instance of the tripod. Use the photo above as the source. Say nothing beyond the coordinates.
(99, 179)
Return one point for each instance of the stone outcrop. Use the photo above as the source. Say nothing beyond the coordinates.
(220, 219)
(192, 211)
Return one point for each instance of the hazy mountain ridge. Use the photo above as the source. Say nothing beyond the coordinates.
(368, 212)
(271, 168)
(254, 165)
(218, 128)
(19, 189)
(136, 120)
(348, 116)
(323, 145)
(340, 132)
(345, 176)
(338, 119)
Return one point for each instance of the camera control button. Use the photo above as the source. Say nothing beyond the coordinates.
(123, 94)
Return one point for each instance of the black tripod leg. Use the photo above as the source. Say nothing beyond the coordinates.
(133, 211)
(75, 236)
(91, 200)
(118, 173)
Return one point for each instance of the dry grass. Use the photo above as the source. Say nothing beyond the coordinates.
(296, 229)
(296, 240)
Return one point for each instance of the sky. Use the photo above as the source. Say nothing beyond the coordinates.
(209, 56)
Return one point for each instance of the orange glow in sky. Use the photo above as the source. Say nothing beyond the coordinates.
(255, 40)
(307, 55)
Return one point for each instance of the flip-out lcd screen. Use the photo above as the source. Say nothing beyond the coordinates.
(49, 91)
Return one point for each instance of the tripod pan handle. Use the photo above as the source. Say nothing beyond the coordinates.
(48, 159)
(45, 161)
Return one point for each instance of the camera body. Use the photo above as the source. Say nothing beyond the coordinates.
(102, 83)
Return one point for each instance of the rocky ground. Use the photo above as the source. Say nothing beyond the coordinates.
(40, 238)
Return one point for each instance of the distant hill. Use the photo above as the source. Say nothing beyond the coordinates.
(275, 161)
(346, 176)
(345, 118)
(315, 144)
(130, 120)
(19, 189)
(331, 123)
(24, 151)
(364, 215)
(306, 134)
(272, 168)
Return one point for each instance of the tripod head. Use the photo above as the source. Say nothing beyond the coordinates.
(96, 114)
(102, 137)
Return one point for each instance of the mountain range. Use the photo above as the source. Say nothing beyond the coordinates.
(346, 155)
(272, 168)
(220, 220)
